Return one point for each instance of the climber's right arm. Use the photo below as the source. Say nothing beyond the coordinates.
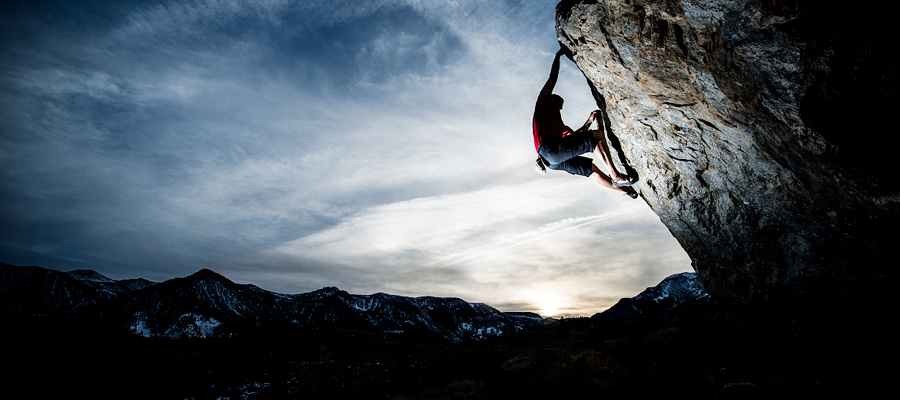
(554, 73)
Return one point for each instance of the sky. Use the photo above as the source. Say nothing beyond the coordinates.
(377, 146)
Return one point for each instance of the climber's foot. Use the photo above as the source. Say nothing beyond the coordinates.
(631, 193)
(623, 182)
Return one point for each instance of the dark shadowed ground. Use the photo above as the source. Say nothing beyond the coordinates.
(706, 354)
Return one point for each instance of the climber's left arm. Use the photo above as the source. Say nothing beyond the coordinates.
(590, 120)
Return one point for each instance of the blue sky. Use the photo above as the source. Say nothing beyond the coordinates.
(378, 146)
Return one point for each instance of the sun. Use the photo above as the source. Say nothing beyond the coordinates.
(548, 303)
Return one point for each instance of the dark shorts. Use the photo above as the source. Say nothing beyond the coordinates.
(565, 153)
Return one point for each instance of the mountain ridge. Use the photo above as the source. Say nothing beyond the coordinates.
(206, 304)
(665, 301)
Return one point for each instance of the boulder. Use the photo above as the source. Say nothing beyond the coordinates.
(759, 132)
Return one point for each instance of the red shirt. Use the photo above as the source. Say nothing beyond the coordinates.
(547, 122)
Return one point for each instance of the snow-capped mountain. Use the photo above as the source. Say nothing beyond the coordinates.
(207, 304)
(665, 301)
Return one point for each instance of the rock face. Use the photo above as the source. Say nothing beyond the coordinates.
(756, 130)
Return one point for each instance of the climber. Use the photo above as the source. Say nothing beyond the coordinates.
(560, 148)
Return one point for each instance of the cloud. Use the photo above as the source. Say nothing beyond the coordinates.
(499, 244)
(379, 146)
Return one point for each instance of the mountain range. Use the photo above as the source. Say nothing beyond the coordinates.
(208, 305)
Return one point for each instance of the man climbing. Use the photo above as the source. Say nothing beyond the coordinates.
(560, 148)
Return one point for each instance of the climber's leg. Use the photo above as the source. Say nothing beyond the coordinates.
(603, 179)
(602, 151)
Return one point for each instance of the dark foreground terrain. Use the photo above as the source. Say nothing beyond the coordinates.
(705, 354)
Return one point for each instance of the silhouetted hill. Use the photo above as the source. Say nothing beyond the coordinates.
(673, 296)
(208, 305)
(36, 291)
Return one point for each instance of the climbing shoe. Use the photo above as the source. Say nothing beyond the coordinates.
(540, 167)
(631, 193)
(628, 181)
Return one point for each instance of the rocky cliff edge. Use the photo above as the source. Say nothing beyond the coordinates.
(760, 131)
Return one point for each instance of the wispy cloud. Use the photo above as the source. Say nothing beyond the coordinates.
(505, 243)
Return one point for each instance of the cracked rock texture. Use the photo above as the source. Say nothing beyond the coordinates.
(760, 133)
